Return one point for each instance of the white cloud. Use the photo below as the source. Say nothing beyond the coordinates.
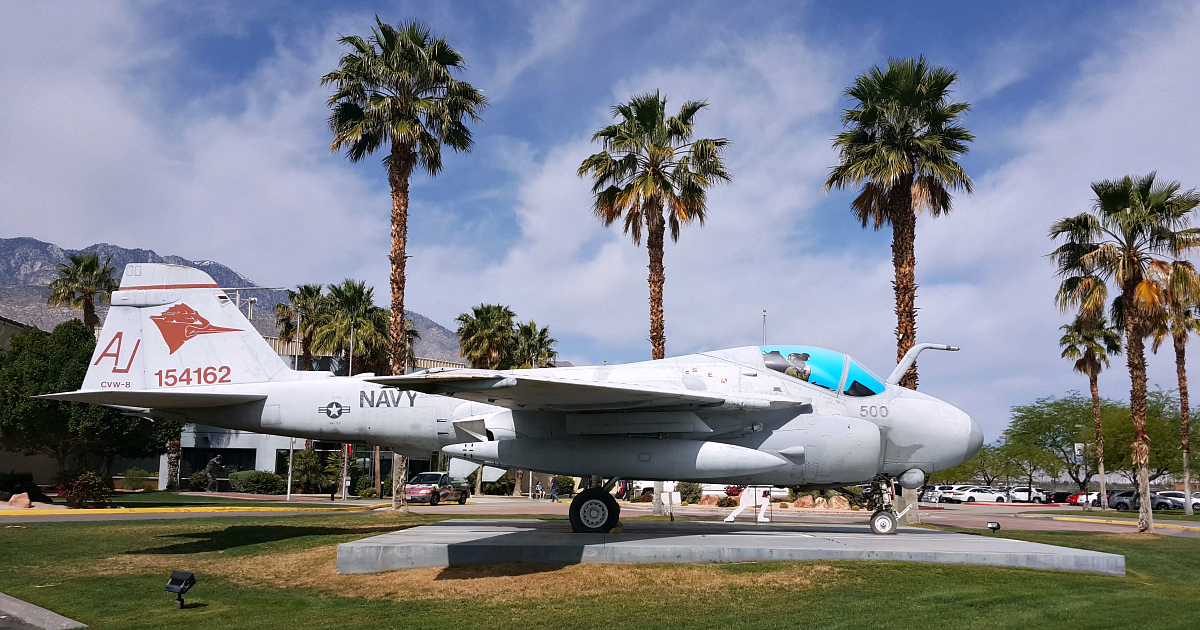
(93, 156)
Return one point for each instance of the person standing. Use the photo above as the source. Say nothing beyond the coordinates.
(554, 489)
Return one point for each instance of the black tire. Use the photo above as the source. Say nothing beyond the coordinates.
(463, 496)
(1122, 506)
(999, 499)
(1161, 506)
(883, 522)
(594, 511)
(970, 499)
(435, 497)
(1095, 502)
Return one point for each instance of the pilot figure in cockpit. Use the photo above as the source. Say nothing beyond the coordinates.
(799, 366)
(796, 364)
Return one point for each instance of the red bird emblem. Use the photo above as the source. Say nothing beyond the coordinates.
(180, 323)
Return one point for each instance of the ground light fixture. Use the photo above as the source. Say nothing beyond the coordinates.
(181, 582)
(994, 527)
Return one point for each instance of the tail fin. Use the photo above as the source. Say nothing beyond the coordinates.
(171, 326)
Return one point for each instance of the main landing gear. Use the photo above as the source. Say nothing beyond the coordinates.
(594, 511)
(883, 518)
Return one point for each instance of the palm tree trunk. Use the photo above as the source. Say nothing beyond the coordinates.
(306, 350)
(1184, 420)
(654, 243)
(173, 452)
(1092, 378)
(400, 167)
(399, 474)
(1135, 355)
(517, 474)
(904, 260)
(89, 312)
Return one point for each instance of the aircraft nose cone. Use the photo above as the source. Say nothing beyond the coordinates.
(975, 439)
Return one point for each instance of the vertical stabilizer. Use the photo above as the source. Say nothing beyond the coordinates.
(171, 326)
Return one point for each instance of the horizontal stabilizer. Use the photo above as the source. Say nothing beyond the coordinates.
(154, 398)
(462, 468)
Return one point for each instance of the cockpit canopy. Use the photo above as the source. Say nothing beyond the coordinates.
(823, 368)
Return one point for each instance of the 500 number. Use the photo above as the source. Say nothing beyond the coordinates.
(873, 411)
(194, 376)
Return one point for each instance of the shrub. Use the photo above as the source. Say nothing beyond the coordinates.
(645, 497)
(257, 482)
(566, 485)
(689, 492)
(16, 483)
(308, 474)
(502, 486)
(198, 482)
(365, 486)
(683, 504)
(87, 490)
(783, 505)
(134, 479)
(727, 502)
(387, 487)
(733, 491)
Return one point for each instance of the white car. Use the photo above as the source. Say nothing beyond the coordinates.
(1021, 494)
(976, 494)
(1177, 495)
(951, 495)
(933, 493)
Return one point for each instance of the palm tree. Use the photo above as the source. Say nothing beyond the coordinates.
(485, 336)
(534, 347)
(1176, 318)
(81, 282)
(901, 143)
(411, 335)
(352, 323)
(1135, 224)
(650, 163)
(310, 304)
(1089, 342)
(396, 89)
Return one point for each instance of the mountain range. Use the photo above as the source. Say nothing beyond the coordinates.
(27, 266)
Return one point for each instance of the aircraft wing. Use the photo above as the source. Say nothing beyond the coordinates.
(154, 398)
(543, 391)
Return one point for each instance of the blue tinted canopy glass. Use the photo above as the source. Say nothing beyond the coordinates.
(860, 382)
(811, 364)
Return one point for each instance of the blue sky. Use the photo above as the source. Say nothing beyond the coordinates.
(200, 131)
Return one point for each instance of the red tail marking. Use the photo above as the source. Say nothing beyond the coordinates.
(125, 370)
(116, 356)
(181, 323)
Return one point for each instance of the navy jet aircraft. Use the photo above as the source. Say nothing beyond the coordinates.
(785, 415)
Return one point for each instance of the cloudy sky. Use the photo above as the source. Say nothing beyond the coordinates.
(200, 131)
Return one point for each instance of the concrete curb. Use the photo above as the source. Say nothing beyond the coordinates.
(36, 615)
(215, 508)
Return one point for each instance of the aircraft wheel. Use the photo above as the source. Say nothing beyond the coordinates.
(594, 511)
(462, 497)
(883, 522)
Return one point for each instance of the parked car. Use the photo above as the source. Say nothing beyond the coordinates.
(1178, 495)
(437, 487)
(1129, 500)
(1021, 494)
(979, 494)
(932, 493)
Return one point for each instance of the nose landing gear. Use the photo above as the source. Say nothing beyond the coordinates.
(883, 518)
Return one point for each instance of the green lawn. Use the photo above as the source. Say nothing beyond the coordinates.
(1166, 515)
(175, 499)
(276, 572)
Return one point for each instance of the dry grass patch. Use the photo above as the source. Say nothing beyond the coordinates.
(316, 569)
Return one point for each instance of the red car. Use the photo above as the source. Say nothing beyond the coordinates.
(437, 487)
